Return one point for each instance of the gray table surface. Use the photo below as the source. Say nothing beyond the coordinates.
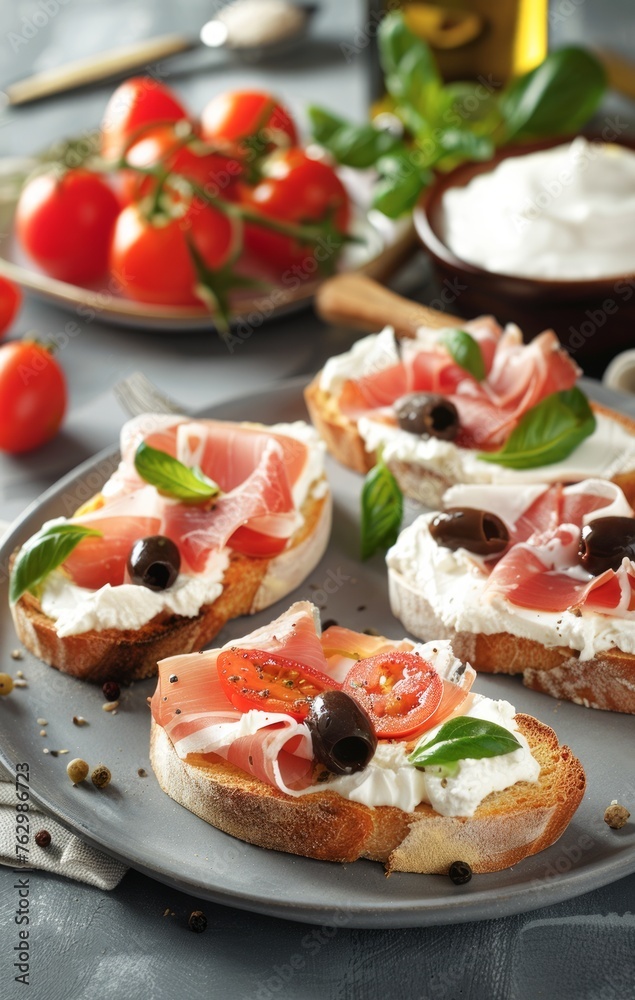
(91, 944)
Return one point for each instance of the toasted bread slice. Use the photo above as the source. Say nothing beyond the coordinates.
(425, 483)
(507, 826)
(606, 681)
(249, 585)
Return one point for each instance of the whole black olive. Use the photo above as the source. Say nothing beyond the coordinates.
(604, 543)
(428, 415)
(154, 562)
(342, 734)
(478, 531)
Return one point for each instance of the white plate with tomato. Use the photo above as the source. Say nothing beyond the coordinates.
(166, 221)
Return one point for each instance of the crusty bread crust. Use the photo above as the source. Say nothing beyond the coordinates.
(249, 585)
(425, 485)
(607, 681)
(507, 826)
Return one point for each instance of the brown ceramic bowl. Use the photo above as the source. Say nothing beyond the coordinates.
(594, 320)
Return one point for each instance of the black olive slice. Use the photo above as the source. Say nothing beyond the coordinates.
(341, 732)
(154, 562)
(478, 531)
(604, 543)
(427, 415)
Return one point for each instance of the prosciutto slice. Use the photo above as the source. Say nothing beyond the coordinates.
(540, 570)
(518, 377)
(262, 476)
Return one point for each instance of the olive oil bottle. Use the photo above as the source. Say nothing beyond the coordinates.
(495, 39)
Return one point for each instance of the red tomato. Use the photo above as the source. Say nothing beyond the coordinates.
(65, 224)
(139, 101)
(240, 115)
(254, 543)
(399, 691)
(252, 678)
(152, 261)
(32, 396)
(214, 173)
(10, 300)
(296, 189)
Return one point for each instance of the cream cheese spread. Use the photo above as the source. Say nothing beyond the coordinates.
(78, 609)
(389, 780)
(561, 213)
(607, 452)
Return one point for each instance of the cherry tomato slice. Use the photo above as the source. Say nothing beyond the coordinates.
(253, 678)
(399, 691)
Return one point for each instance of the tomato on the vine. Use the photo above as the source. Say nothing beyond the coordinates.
(254, 678)
(137, 102)
(399, 691)
(152, 257)
(65, 224)
(296, 189)
(10, 300)
(186, 155)
(248, 122)
(32, 396)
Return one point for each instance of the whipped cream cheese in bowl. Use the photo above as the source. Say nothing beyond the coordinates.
(541, 235)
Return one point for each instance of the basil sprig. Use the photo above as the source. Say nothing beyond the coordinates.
(463, 738)
(382, 510)
(172, 478)
(560, 94)
(43, 553)
(447, 123)
(465, 351)
(546, 433)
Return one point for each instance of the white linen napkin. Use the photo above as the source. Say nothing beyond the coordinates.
(66, 855)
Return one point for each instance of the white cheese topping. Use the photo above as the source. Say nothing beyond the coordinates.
(128, 606)
(605, 453)
(453, 586)
(389, 780)
(565, 212)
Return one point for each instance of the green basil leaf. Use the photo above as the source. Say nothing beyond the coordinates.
(406, 56)
(43, 553)
(401, 182)
(172, 478)
(559, 95)
(382, 510)
(463, 738)
(547, 433)
(324, 125)
(465, 351)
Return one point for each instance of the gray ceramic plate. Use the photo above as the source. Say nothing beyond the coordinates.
(133, 820)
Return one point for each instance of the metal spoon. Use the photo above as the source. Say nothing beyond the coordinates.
(117, 63)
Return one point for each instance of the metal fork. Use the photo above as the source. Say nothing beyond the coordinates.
(137, 394)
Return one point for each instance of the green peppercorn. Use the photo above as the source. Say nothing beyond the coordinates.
(77, 769)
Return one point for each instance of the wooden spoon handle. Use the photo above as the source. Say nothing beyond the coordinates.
(357, 301)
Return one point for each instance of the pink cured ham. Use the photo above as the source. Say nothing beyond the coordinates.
(199, 719)
(540, 569)
(190, 704)
(518, 377)
(258, 472)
